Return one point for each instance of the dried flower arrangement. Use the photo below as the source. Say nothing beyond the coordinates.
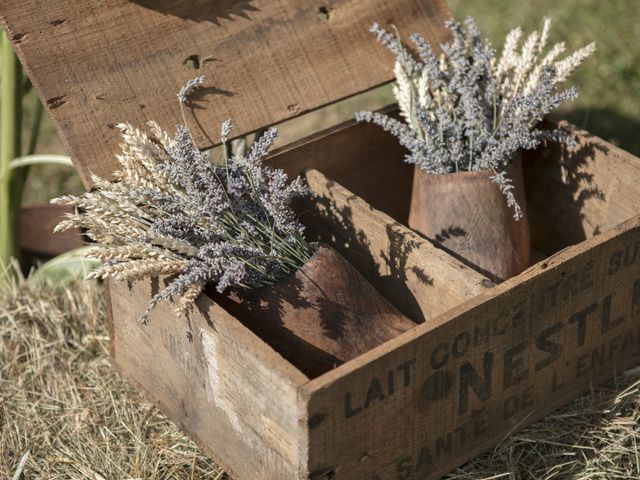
(171, 211)
(466, 116)
(467, 110)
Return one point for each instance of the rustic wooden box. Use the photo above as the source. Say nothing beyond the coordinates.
(484, 361)
(245, 405)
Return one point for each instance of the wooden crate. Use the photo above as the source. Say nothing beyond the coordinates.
(487, 367)
(242, 402)
(484, 361)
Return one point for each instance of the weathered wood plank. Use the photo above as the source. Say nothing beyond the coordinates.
(418, 406)
(98, 63)
(576, 193)
(360, 157)
(220, 383)
(420, 280)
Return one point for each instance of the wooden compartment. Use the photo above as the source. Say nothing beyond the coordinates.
(491, 365)
(230, 391)
(484, 361)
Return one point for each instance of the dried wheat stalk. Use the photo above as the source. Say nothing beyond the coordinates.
(171, 211)
(466, 110)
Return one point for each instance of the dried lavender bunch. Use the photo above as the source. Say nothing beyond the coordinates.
(171, 211)
(468, 111)
(189, 88)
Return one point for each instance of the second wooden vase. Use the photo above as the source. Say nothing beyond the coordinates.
(466, 213)
(323, 315)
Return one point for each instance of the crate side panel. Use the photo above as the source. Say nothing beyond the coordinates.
(222, 385)
(420, 405)
(360, 156)
(95, 64)
(576, 193)
(421, 280)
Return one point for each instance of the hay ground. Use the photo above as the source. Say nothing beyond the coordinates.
(65, 413)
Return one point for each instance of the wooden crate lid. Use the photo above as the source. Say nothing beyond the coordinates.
(99, 62)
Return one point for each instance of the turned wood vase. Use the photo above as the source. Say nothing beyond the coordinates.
(325, 314)
(467, 215)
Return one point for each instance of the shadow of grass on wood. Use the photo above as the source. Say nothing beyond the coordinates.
(203, 10)
(615, 127)
(336, 226)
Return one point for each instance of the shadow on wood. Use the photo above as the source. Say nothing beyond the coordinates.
(558, 219)
(203, 10)
(612, 125)
(354, 242)
(324, 315)
(407, 269)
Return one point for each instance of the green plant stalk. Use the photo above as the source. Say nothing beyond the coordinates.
(19, 180)
(10, 123)
(35, 127)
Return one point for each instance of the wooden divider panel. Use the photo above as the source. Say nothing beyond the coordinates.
(98, 63)
(418, 406)
(421, 280)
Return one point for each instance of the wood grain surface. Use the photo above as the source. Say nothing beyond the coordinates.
(426, 402)
(422, 281)
(99, 62)
(468, 215)
(323, 315)
(226, 388)
(576, 193)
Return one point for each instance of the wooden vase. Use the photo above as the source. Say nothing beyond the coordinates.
(466, 213)
(323, 315)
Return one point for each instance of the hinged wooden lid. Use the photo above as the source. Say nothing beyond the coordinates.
(99, 62)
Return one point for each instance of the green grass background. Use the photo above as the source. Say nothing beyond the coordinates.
(609, 81)
(608, 106)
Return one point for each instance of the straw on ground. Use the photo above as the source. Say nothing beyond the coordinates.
(65, 413)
